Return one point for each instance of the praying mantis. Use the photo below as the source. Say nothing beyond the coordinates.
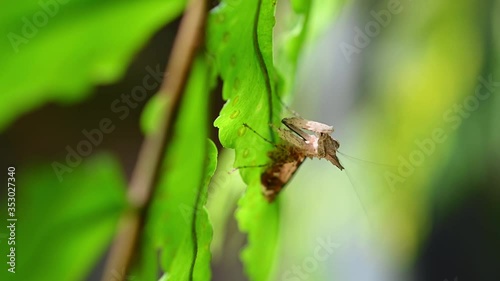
(297, 144)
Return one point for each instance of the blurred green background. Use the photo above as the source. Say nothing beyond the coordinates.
(409, 86)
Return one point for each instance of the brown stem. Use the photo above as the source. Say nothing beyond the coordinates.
(145, 175)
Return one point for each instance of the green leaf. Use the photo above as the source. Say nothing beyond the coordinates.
(56, 50)
(178, 224)
(291, 41)
(225, 191)
(240, 39)
(151, 115)
(192, 259)
(64, 227)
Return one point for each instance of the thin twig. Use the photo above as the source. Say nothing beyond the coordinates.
(145, 175)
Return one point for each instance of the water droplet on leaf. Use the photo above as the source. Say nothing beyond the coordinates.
(246, 152)
(242, 130)
(236, 99)
(234, 114)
